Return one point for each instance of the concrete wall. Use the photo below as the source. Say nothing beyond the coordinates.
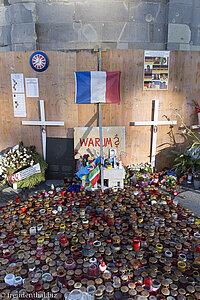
(87, 24)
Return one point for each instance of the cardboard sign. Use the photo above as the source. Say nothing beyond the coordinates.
(25, 173)
(87, 141)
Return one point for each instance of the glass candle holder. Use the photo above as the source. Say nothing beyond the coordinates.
(70, 264)
(18, 280)
(93, 271)
(9, 279)
(91, 289)
(61, 277)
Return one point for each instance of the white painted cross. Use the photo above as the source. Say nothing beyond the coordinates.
(155, 124)
(43, 125)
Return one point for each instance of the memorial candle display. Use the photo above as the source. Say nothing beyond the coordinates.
(118, 245)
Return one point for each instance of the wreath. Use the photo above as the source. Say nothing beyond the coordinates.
(19, 158)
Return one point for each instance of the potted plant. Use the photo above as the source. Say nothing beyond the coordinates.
(189, 161)
(184, 164)
(196, 177)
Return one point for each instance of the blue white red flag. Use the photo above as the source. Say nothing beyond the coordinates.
(97, 86)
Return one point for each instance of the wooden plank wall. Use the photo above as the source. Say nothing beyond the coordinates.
(57, 88)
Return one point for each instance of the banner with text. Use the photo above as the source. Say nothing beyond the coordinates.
(87, 141)
(25, 173)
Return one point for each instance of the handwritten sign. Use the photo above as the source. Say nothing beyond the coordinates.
(87, 141)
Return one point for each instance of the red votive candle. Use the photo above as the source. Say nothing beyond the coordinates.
(148, 281)
(136, 244)
(23, 209)
(63, 240)
(63, 193)
(38, 287)
(17, 199)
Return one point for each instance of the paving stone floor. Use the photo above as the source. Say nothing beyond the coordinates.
(189, 198)
(7, 193)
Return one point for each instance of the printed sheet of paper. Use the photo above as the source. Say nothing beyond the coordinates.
(156, 70)
(19, 105)
(32, 89)
(17, 81)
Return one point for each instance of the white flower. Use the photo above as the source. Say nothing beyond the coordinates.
(15, 148)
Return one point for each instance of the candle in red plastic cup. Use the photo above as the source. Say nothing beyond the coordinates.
(23, 209)
(136, 244)
(148, 281)
(63, 240)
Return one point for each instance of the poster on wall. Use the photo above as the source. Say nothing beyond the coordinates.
(156, 70)
(19, 105)
(32, 89)
(87, 141)
(17, 81)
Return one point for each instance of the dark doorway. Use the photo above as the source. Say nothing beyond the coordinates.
(60, 158)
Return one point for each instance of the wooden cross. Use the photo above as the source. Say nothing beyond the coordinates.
(155, 124)
(43, 125)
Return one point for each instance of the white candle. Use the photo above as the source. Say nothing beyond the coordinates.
(14, 185)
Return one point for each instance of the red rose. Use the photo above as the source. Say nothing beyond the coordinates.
(197, 109)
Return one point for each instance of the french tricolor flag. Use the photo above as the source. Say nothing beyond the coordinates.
(97, 86)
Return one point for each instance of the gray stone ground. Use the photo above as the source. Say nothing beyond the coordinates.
(188, 196)
(7, 193)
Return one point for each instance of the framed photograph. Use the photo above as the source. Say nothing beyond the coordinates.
(113, 153)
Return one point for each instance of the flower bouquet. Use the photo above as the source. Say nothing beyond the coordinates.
(142, 179)
(133, 170)
(85, 160)
(170, 182)
(145, 168)
(19, 158)
(196, 175)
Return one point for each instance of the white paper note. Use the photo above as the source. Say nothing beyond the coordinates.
(19, 105)
(17, 81)
(32, 89)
